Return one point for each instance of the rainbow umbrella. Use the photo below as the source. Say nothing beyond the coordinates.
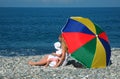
(87, 43)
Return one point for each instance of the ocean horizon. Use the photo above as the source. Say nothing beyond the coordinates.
(33, 30)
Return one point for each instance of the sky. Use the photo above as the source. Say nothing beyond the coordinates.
(59, 3)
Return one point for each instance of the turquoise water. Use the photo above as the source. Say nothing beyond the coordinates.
(32, 31)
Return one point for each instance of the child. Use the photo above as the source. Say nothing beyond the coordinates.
(55, 57)
(58, 58)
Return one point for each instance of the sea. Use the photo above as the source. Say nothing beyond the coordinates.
(27, 31)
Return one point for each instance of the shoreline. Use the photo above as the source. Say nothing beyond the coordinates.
(17, 67)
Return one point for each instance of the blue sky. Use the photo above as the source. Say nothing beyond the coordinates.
(59, 3)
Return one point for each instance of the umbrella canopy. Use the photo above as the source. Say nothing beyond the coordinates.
(87, 43)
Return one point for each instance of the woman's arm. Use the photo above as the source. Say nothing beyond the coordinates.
(62, 58)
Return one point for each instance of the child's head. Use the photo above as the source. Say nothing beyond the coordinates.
(57, 45)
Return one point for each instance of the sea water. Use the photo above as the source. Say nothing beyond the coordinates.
(33, 31)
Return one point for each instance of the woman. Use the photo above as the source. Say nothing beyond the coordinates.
(44, 61)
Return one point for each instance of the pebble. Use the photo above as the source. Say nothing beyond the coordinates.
(18, 68)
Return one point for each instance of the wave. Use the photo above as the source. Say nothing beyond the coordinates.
(30, 52)
(115, 49)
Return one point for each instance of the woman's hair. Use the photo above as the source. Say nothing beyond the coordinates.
(63, 43)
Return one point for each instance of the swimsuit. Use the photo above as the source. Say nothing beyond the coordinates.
(54, 60)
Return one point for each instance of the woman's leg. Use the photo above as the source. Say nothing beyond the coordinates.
(42, 62)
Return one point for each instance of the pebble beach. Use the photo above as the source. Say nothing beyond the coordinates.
(17, 68)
